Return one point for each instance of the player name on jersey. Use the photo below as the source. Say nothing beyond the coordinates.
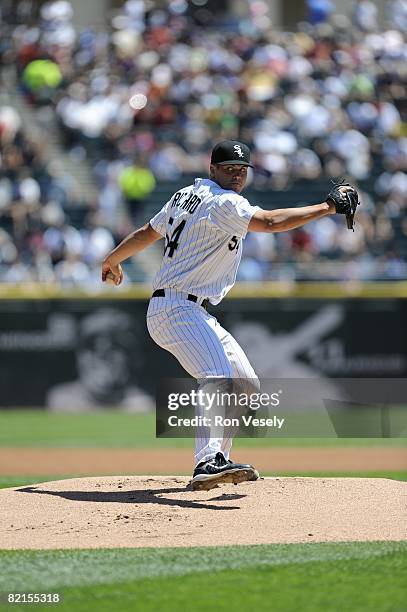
(190, 204)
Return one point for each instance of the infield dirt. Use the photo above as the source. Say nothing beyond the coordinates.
(139, 511)
(97, 461)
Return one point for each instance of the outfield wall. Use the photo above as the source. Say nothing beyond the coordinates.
(70, 351)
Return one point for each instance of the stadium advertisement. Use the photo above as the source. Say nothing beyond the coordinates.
(87, 354)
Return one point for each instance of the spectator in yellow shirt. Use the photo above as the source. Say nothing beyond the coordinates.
(136, 182)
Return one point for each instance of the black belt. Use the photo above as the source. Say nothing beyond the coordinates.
(190, 297)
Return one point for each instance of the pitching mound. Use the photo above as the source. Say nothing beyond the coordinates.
(136, 511)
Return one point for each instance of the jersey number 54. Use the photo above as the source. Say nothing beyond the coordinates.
(171, 244)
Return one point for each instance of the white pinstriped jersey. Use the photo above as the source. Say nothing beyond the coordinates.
(203, 226)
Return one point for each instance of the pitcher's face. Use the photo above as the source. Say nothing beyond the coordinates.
(232, 176)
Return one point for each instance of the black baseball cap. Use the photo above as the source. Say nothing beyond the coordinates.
(231, 152)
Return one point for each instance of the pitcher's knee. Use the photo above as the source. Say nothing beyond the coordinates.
(235, 390)
(247, 386)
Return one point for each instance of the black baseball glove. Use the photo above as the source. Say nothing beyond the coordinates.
(346, 202)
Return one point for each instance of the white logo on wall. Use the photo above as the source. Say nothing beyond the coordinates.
(275, 355)
(238, 150)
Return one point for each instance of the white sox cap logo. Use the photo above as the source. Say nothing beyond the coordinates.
(231, 152)
(238, 150)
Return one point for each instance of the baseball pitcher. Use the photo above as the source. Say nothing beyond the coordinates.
(204, 226)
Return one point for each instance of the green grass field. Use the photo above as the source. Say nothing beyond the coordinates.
(306, 577)
(297, 577)
(33, 428)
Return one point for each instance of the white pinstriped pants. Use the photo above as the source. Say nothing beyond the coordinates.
(203, 348)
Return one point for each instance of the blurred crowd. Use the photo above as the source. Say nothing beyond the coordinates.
(324, 101)
(46, 232)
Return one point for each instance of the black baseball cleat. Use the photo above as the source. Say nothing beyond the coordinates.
(218, 470)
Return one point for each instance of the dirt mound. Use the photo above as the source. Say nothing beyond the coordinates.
(136, 511)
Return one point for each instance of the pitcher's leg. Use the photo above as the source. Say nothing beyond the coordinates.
(246, 381)
(244, 375)
(209, 440)
(192, 338)
(206, 351)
